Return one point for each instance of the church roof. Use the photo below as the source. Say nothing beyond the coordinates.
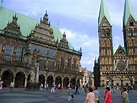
(26, 23)
(128, 12)
(103, 12)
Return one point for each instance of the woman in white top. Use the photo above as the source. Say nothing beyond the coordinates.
(90, 96)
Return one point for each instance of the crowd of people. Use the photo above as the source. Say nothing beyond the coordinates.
(92, 94)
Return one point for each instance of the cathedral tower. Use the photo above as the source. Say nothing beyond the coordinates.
(105, 41)
(130, 36)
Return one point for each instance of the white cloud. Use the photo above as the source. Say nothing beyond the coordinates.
(89, 46)
(86, 44)
(68, 33)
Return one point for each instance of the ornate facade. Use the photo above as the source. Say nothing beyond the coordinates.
(116, 65)
(35, 51)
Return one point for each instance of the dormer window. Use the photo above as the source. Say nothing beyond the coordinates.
(131, 23)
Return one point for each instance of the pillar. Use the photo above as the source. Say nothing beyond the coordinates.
(54, 81)
(37, 72)
(45, 82)
(25, 85)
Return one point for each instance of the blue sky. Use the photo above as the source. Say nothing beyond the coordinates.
(78, 19)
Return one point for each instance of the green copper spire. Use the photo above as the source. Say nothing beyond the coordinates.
(103, 12)
(127, 12)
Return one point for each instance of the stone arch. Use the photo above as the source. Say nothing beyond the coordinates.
(109, 81)
(126, 81)
(65, 82)
(117, 81)
(7, 77)
(58, 80)
(20, 79)
(41, 79)
(50, 80)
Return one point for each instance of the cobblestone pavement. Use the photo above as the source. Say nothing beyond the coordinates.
(21, 95)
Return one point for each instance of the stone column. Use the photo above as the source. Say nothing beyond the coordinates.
(69, 81)
(54, 81)
(62, 84)
(45, 82)
(14, 80)
(32, 76)
(25, 85)
(37, 71)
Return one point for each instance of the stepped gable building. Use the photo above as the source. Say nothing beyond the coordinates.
(116, 66)
(35, 51)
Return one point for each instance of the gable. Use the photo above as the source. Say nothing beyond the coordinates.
(120, 51)
(104, 22)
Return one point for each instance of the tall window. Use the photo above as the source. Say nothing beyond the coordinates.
(46, 52)
(50, 65)
(9, 52)
(75, 61)
(19, 53)
(62, 62)
(42, 65)
(69, 62)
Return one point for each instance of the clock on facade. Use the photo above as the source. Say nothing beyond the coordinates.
(121, 65)
(104, 23)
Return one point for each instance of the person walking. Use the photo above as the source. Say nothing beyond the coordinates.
(46, 86)
(12, 86)
(108, 96)
(52, 88)
(59, 86)
(76, 91)
(97, 95)
(90, 98)
(41, 86)
(124, 96)
(70, 93)
(1, 84)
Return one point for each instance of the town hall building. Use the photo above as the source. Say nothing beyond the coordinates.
(34, 51)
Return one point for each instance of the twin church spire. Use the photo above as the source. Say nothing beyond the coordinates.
(128, 12)
(104, 12)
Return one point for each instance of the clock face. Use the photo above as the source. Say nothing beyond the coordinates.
(104, 23)
(121, 65)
